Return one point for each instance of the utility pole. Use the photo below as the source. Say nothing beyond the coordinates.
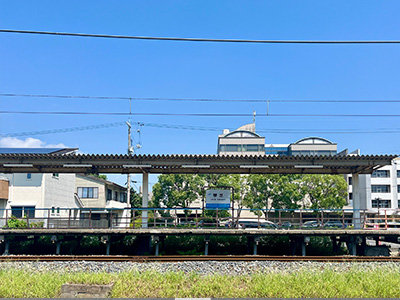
(129, 153)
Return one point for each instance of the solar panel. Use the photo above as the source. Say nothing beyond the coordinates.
(30, 150)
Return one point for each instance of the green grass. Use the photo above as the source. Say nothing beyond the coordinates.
(381, 283)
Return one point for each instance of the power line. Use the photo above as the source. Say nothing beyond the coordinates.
(63, 130)
(202, 39)
(202, 128)
(196, 99)
(195, 114)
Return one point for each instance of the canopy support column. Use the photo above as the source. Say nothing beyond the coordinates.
(356, 201)
(145, 199)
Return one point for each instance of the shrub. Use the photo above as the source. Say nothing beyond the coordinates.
(13, 222)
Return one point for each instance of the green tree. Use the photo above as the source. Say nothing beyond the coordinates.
(287, 192)
(262, 188)
(135, 199)
(177, 190)
(101, 176)
(324, 191)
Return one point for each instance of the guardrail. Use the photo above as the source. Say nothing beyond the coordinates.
(286, 219)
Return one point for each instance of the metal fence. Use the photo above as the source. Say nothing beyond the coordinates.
(285, 219)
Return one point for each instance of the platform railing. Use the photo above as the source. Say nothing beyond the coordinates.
(197, 218)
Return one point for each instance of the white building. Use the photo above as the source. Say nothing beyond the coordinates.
(98, 197)
(242, 141)
(38, 195)
(61, 197)
(381, 189)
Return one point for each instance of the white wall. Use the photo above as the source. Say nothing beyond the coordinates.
(24, 191)
(82, 181)
(59, 191)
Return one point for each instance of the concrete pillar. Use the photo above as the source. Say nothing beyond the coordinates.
(255, 244)
(157, 244)
(108, 246)
(145, 199)
(58, 247)
(207, 241)
(352, 246)
(6, 247)
(304, 242)
(356, 201)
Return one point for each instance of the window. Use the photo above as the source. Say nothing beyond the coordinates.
(109, 194)
(381, 174)
(350, 180)
(398, 203)
(123, 197)
(231, 148)
(242, 148)
(398, 173)
(22, 211)
(88, 192)
(398, 188)
(350, 196)
(116, 196)
(380, 188)
(29, 176)
(382, 203)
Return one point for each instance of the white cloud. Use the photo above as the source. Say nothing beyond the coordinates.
(12, 142)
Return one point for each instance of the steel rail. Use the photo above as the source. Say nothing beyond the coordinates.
(179, 258)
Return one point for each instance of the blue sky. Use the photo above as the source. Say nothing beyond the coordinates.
(33, 64)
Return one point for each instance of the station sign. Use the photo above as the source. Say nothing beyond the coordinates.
(218, 199)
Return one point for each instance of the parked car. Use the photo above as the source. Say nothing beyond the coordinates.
(334, 224)
(286, 225)
(252, 223)
(311, 225)
(235, 225)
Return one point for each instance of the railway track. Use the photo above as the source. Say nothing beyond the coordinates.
(178, 258)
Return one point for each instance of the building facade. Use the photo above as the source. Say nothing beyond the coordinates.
(72, 197)
(379, 190)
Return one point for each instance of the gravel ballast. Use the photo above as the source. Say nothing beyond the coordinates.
(198, 267)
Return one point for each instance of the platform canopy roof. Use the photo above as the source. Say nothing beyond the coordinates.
(191, 164)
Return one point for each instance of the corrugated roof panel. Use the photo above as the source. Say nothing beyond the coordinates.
(36, 150)
(30, 150)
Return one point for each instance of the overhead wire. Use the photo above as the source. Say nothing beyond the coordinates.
(196, 114)
(180, 39)
(201, 128)
(195, 99)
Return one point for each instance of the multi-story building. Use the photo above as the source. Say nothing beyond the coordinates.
(242, 141)
(381, 189)
(245, 141)
(99, 197)
(62, 196)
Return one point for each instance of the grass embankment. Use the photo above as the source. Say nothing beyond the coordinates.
(381, 283)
